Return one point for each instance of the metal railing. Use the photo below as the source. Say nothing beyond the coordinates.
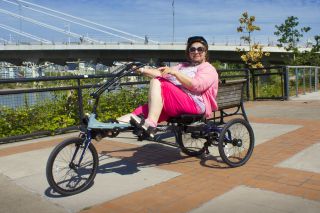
(303, 77)
(259, 79)
(267, 83)
(78, 86)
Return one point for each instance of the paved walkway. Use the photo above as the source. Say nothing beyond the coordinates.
(283, 174)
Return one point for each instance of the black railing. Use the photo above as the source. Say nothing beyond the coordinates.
(276, 76)
(269, 83)
(255, 79)
(78, 85)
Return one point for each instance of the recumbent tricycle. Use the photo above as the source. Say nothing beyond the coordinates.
(73, 164)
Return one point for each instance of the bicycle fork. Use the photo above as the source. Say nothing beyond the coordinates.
(86, 143)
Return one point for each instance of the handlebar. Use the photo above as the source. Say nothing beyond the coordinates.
(127, 69)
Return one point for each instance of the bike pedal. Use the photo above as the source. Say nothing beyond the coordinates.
(142, 137)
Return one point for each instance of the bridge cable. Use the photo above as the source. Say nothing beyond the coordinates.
(71, 21)
(24, 34)
(81, 19)
(4, 40)
(47, 26)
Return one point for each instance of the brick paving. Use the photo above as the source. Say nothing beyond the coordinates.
(203, 179)
(199, 184)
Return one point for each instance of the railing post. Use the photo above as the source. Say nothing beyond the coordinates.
(253, 84)
(304, 80)
(310, 79)
(297, 81)
(316, 79)
(80, 101)
(248, 84)
(286, 83)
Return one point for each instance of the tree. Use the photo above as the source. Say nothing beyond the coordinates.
(253, 57)
(310, 58)
(289, 34)
(316, 47)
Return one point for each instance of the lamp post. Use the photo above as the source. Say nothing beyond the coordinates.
(20, 21)
(172, 21)
(68, 31)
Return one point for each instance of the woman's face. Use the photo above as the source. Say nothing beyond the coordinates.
(197, 53)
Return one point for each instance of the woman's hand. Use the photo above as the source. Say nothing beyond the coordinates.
(140, 70)
(150, 72)
(167, 70)
(185, 80)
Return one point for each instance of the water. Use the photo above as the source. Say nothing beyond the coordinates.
(20, 100)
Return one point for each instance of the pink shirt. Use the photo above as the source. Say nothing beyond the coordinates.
(205, 82)
(197, 97)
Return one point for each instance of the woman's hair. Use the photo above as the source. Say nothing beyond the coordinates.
(199, 39)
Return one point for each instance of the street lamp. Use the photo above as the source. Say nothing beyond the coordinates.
(68, 30)
(20, 20)
(172, 21)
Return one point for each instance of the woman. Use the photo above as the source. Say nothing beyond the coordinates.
(188, 88)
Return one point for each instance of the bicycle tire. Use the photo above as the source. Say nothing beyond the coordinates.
(190, 143)
(237, 149)
(75, 178)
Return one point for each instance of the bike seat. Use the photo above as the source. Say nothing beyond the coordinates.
(186, 118)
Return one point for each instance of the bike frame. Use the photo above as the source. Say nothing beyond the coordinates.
(92, 123)
(111, 84)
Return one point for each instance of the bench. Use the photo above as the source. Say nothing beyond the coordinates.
(229, 97)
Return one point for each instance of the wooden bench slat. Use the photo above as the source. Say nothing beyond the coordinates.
(230, 94)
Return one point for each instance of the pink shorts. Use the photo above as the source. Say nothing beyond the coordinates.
(175, 102)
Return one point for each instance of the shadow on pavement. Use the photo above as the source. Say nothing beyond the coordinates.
(148, 155)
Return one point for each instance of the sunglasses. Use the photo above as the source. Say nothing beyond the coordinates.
(194, 49)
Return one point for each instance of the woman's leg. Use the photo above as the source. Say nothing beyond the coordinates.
(155, 104)
(155, 101)
(125, 118)
(165, 100)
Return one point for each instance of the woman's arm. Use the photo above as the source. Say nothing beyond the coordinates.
(185, 80)
(149, 72)
(204, 78)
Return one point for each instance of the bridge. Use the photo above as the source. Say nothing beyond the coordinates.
(109, 52)
(129, 47)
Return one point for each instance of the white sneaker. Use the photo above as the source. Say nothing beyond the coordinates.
(140, 122)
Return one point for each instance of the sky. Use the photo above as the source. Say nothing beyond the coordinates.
(160, 20)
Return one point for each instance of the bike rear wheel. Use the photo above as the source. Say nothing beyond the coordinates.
(236, 142)
(190, 142)
(65, 175)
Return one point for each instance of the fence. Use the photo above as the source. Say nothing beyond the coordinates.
(262, 83)
(35, 91)
(298, 75)
(268, 83)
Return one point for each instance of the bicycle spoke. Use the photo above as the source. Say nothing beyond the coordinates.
(68, 175)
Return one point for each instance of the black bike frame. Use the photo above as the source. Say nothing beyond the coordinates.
(109, 85)
(112, 83)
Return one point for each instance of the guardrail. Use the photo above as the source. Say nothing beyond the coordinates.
(308, 75)
(7, 96)
(266, 83)
(259, 81)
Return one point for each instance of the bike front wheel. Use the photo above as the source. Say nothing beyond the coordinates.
(236, 142)
(64, 172)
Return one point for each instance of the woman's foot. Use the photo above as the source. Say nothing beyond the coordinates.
(144, 124)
